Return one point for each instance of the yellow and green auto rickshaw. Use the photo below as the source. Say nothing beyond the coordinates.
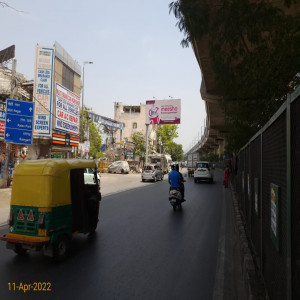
(52, 200)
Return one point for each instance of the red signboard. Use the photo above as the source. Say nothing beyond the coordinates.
(2, 118)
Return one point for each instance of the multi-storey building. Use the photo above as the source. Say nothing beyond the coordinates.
(134, 119)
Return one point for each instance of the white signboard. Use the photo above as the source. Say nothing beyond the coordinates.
(67, 110)
(42, 91)
(163, 111)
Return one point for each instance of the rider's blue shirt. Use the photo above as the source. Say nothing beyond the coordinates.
(174, 177)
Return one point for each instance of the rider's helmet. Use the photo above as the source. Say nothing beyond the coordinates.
(173, 167)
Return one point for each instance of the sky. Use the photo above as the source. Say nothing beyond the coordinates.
(134, 46)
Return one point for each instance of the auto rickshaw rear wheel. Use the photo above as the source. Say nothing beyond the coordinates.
(20, 250)
(61, 247)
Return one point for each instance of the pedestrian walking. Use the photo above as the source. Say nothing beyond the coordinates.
(226, 177)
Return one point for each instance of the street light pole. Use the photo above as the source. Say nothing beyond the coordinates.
(82, 93)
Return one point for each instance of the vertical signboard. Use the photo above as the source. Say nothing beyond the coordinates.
(163, 111)
(42, 91)
(2, 118)
(67, 109)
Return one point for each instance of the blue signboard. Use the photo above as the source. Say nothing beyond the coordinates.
(18, 122)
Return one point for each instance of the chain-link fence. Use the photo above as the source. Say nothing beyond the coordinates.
(267, 183)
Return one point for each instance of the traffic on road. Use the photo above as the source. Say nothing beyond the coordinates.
(141, 248)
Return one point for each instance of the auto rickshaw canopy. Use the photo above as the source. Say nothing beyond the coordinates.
(45, 182)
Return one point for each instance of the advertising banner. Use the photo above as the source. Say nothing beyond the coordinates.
(2, 118)
(105, 121)
(67, 110)
(42, 91)
(163, 111)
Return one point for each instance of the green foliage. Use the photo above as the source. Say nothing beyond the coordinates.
(254, 50)
(176, 151)
(95, 141)
(140, 143)
(166, 134)
(94, 134)
(195, 25)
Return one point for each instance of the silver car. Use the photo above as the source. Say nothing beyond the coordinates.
(152, 172)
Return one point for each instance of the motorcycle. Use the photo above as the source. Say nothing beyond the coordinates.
(175, 198)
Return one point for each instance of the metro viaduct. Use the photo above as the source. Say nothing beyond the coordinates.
(214, 137)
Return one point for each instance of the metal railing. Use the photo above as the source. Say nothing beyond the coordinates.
(266, 179)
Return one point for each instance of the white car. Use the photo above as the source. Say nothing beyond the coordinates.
(89, 176)
(119, 166)
(203, 171)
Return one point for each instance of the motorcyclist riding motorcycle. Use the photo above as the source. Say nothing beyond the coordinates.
(176, 181)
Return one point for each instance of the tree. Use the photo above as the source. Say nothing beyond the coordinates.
(255, 63)
(140, 143)
(95, 141)
(94, 134)
(166, 134)
(176, 151)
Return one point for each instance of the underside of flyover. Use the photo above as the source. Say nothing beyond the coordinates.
(214, 139)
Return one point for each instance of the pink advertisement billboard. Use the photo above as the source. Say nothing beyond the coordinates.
(163, 111)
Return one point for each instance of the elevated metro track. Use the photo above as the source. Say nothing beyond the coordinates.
(214, 137)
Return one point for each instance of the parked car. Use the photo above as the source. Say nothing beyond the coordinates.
(119, 166)
(152, 172)
(89, 176)
(203, 172)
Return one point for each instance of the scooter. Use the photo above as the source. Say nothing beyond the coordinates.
(175, 198)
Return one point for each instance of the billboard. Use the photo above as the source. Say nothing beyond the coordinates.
(105, 121)
(42, 91)
(67, 110)
(163, 111)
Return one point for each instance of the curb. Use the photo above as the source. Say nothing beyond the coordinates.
(254, 285)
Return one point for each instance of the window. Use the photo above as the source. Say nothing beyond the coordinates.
(68, 78)
(202, 165)
(148, 168)
(134, 125)
(89, 171)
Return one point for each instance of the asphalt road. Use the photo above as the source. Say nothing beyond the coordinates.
(142, 250)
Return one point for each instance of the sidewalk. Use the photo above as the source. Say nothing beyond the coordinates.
(4, 205)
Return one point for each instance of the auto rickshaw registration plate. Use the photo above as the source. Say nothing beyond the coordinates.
(42, 232)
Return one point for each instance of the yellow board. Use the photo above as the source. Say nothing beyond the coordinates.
(45, 182)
